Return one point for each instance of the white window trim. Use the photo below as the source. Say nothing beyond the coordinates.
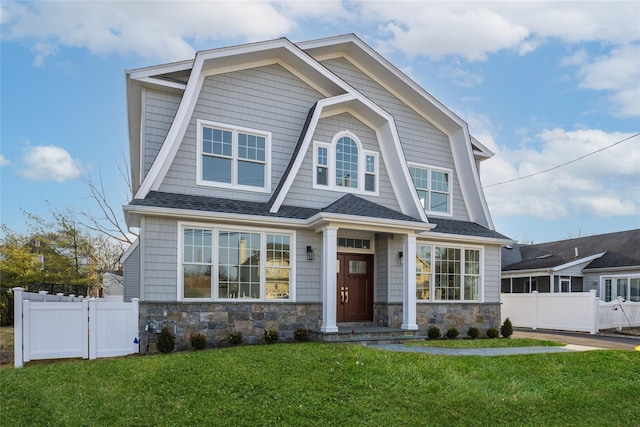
(234, 157)
(215, 229)
(331, 166)
(429, 191)
(614, 288)
(432, 288)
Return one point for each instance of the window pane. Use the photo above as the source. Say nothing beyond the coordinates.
(471, 287)
(369, 182)
(239, 265)
(197, 281)
(447, 278)
(251, 147)
(278, 266)
(321, 175)
(472, 262)
(216, 141)
(635, 290)
(251, 174)
(621, 288)
(357, 267)
(422, 196)
(346, 163)
(322, 156)
(423, 272)
(371, 164)
(419, 178)
(440, 181)
(439, 202)
(216, 169)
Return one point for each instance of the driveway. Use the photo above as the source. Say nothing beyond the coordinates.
(609, 341)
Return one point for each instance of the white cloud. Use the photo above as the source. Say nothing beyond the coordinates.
(617, 73)
(606, 184)
(163, 30)
(3, 161)
(49, 163)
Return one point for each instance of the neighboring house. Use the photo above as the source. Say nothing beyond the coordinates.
(112, 286)
(607, 263)
(310, 185)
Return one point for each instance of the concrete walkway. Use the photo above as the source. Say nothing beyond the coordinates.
(574, 341)
(474, 351)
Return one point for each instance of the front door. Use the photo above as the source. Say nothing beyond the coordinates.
(355, 288)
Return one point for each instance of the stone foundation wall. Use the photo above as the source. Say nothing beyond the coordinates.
(217, 320)
(462, 316)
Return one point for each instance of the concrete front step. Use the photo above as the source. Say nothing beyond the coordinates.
(367, 334)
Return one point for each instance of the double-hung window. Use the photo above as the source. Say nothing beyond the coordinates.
(233, 157)
(344, 165)
(433, 187)
(224, 264)
(447, 273)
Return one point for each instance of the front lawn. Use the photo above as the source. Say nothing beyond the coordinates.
(314, 384)
(488, 343)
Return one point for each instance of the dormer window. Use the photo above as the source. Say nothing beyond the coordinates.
(233, 157)
(344, 165)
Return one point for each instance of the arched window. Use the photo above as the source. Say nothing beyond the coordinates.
(353, 168)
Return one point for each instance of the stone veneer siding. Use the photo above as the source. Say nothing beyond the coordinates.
(217, 320)
(461, 315)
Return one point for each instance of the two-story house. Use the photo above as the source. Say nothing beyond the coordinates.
(314, 185)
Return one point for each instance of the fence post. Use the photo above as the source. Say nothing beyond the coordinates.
(44, 295)
(135, 324)
(60, 295)
(17, 327)
(93, 329)
(595, 308)
(535, 309)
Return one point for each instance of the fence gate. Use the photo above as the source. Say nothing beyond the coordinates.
(52, 327)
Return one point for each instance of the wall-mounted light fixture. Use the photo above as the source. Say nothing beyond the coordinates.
(309, 253)
(400, 254)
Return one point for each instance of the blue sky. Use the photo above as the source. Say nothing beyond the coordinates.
(540, 84)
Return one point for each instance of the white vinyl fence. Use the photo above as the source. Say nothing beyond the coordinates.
(576, 311)
(57, 326)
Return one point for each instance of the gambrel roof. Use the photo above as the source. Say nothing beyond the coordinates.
(304, 61)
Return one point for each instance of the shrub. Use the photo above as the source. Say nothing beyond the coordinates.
(198, 341)
(235, 338)
(492, 333)
(452, 332)
(301, 335)
(507, 328)
(270, 336)
(473, 332)
(433, 333)
(165, 341)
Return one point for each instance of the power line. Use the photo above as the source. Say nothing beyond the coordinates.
(563, 164)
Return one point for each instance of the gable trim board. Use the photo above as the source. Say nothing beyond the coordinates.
(384, 127)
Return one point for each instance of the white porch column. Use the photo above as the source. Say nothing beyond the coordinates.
(409, 283)
(328, 277)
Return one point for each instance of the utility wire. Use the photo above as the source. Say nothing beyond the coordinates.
(563, 164)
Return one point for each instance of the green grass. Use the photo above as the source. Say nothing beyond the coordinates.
(315, 384)
(487, 343)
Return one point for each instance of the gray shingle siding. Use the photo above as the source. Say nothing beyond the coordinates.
(159, 110)
(308, 285)
(421, 141)
(268, 99)
(492, 273)
(160, 269)
(131, 275)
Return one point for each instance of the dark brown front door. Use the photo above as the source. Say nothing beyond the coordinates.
(355, 288)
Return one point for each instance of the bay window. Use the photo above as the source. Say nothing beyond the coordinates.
(221, 264)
